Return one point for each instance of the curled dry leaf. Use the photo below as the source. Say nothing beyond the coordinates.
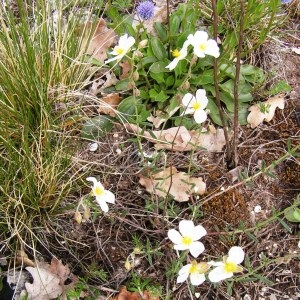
(179, 184)
(57, 268)
(126, 295)
(103, 38)
(181, 139)
(126, 68)
(256, 115)
(109, 104)
(45, 284)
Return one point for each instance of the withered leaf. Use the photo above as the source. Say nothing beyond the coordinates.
(109, 104)
(179, 184)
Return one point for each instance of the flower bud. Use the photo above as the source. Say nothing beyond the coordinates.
(142, 44)
(135, 76)
(78, 217)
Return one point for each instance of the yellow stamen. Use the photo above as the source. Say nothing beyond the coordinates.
(175, 53)
(186, 240)
(98, 191)
(196, 106)
(202, 47)
(201, 267)
(231, 267)
(120, 51)
(194, 267)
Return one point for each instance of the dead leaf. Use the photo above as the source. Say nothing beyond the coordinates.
(126, 68)
(257, 117)
(156, 121)
(109, 104)
(45, 285)
(22, 259)
(181, 139)
(182, 185)
(103, 38)
(296, 50)
(126, 295)
(57, 268)
(99, 85)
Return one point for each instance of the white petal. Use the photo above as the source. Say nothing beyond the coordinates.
(200, 116)
(123, 40)
(216, 263)
(196, 248)
(201, 36)
(187, 99)
(181, 247)
(112, 59)
(199, 52)
(92, 179)
(186, 228)
(188, 111)
(197, 279)
(201, 97)
(102, 204)
(212, 48)
(172, 65)
(236, 255)
(109, 197)
(183, 273)
(218, 274)
(174, 236)
(199, 232)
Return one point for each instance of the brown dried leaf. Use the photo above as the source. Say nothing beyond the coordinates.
(181, 139)
(182, 185)
(126, 68)
(103, 38)
(45, 284)
(57, 268)
(110, 103)
(22, 259)
(257, 117)
(126, 295)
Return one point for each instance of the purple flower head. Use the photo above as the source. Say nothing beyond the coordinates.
(145, 10)
(286, 1)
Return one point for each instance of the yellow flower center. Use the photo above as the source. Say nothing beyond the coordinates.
(196, 106)
(201, 267)
(202, 47)
(98, 191)
(186, 240)
(175, 53)
(231, 267)
(120, 50)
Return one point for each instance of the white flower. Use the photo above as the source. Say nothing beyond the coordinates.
(225, 269)
(187, 237)
(102, 195)
(178, 55)
(202, 45)
(195, 270)
(195, 105)
(125, 43)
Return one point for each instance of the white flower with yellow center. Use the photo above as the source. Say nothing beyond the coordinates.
(178, 55)
(195, 270)
(187, 237)
(202, 45)
(196, 105)
(225, 269)
(102, 195)
(120, 50)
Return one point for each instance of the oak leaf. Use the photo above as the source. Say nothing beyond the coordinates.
(264, 111)
(109, 104)
(181, 139)
(102, 39)
(178, 184)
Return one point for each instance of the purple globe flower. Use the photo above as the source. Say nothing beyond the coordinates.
(286, 1)
(145, 10)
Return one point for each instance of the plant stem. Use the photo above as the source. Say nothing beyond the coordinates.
(236, 86)
(216, 83)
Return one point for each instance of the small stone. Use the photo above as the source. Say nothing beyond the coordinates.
(257, 209)
(93, 147)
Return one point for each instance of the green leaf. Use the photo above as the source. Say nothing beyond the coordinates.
(158, 67)
(292, 214)
(123, 85)
(161, 31)
(263, 279)
(158, 48)
(170, 81)
(279, 87)
(158, 77)
(174, 24)
(96, 127)
(161, 97)
(148, 60)
(204, 78)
